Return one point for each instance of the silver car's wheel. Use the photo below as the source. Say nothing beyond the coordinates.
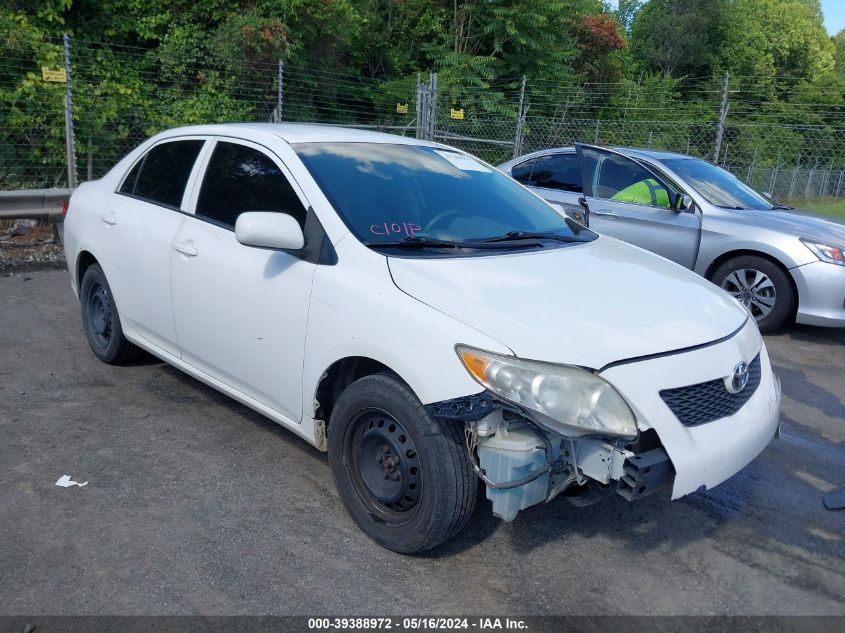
(762, 286)
(753, 289)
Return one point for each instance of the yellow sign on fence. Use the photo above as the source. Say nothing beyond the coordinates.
(54, 74)
(402, 108)
(456, 114)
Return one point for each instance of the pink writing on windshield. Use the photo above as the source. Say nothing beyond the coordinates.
(394, 228)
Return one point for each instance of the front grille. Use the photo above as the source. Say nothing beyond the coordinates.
(708, 401)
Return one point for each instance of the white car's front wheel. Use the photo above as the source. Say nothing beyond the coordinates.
(404, 476)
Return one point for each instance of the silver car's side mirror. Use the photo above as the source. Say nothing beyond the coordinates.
(682, 202)
(267, 229)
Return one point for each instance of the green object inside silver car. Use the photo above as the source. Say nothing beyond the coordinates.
(647, 191)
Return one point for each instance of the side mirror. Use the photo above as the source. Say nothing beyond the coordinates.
(682, 203)
(266, 229)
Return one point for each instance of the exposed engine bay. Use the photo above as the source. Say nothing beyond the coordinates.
(522, 464)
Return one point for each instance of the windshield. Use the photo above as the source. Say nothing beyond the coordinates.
(386, 193)
(718, 186)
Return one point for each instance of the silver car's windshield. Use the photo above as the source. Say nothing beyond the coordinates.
(718, 186)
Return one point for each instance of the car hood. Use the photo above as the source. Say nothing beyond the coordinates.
(795, 223)
(586, 304)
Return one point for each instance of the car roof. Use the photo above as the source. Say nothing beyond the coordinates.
(656, 154)
(297, 133)
(635, 152)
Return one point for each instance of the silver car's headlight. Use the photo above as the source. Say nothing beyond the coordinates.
(825, 252)
(568, 398)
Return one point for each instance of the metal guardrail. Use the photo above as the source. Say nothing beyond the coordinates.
(33, 204)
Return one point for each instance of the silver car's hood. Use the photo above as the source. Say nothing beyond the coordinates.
(586, 305)
(797, 224)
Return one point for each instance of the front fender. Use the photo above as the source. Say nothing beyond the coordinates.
(412, 339)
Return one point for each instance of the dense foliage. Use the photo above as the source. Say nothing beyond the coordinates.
(142, 65)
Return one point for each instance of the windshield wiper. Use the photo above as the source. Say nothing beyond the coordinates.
(782, 207)
(512, 236)
(419, 241)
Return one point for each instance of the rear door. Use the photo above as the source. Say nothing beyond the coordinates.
(139, 228)
(556, 177)
(241, 311)
(629, 201)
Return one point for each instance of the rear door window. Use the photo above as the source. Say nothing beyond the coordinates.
(162, 174)
(239, 179)
(556, 171)
(522, 172)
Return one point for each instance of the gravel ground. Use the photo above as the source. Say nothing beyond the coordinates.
(197, 505)
(34, 249)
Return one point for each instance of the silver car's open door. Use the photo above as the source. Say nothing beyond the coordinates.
(630, 201)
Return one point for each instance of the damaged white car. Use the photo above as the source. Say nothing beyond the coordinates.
(423, 318)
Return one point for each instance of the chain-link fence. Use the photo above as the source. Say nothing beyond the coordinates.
(122, 95)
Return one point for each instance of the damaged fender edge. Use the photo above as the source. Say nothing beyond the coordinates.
(522, 464)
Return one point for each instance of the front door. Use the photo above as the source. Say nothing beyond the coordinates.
(629, 202)
(241, 311)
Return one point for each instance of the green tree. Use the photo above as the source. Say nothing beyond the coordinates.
(839, 52)
(625, 12)
(777, 38)
(679, 37)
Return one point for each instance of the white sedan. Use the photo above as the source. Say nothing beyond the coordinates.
(423, 318)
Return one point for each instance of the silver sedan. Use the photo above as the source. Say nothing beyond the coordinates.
(782, 265)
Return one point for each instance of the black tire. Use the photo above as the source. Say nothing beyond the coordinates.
(100, 319)
(379, 428)
(738, 276)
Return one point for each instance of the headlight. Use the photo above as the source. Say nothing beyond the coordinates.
(568, 398)
(825, 252)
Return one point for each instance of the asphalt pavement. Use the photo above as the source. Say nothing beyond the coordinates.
(197, 505)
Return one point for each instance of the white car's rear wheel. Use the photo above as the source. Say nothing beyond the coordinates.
(100, 319)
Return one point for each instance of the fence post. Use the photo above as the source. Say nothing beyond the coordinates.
(823, 186)
(839, 183)
(750, 178)
(794, 176)
(70, 138)
(723, 114)
(419, 111)
(432, 106)
(773, 179)
(520, 120)
(596, 139)
(280, 94)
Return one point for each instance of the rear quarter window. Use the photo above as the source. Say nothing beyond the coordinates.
(161, 176)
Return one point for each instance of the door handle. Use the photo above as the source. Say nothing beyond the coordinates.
(109, 219)
(606, 214)
(185, 249)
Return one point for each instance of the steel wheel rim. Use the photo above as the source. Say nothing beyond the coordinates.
(98, 310)
(753, 289)
(384, 466)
